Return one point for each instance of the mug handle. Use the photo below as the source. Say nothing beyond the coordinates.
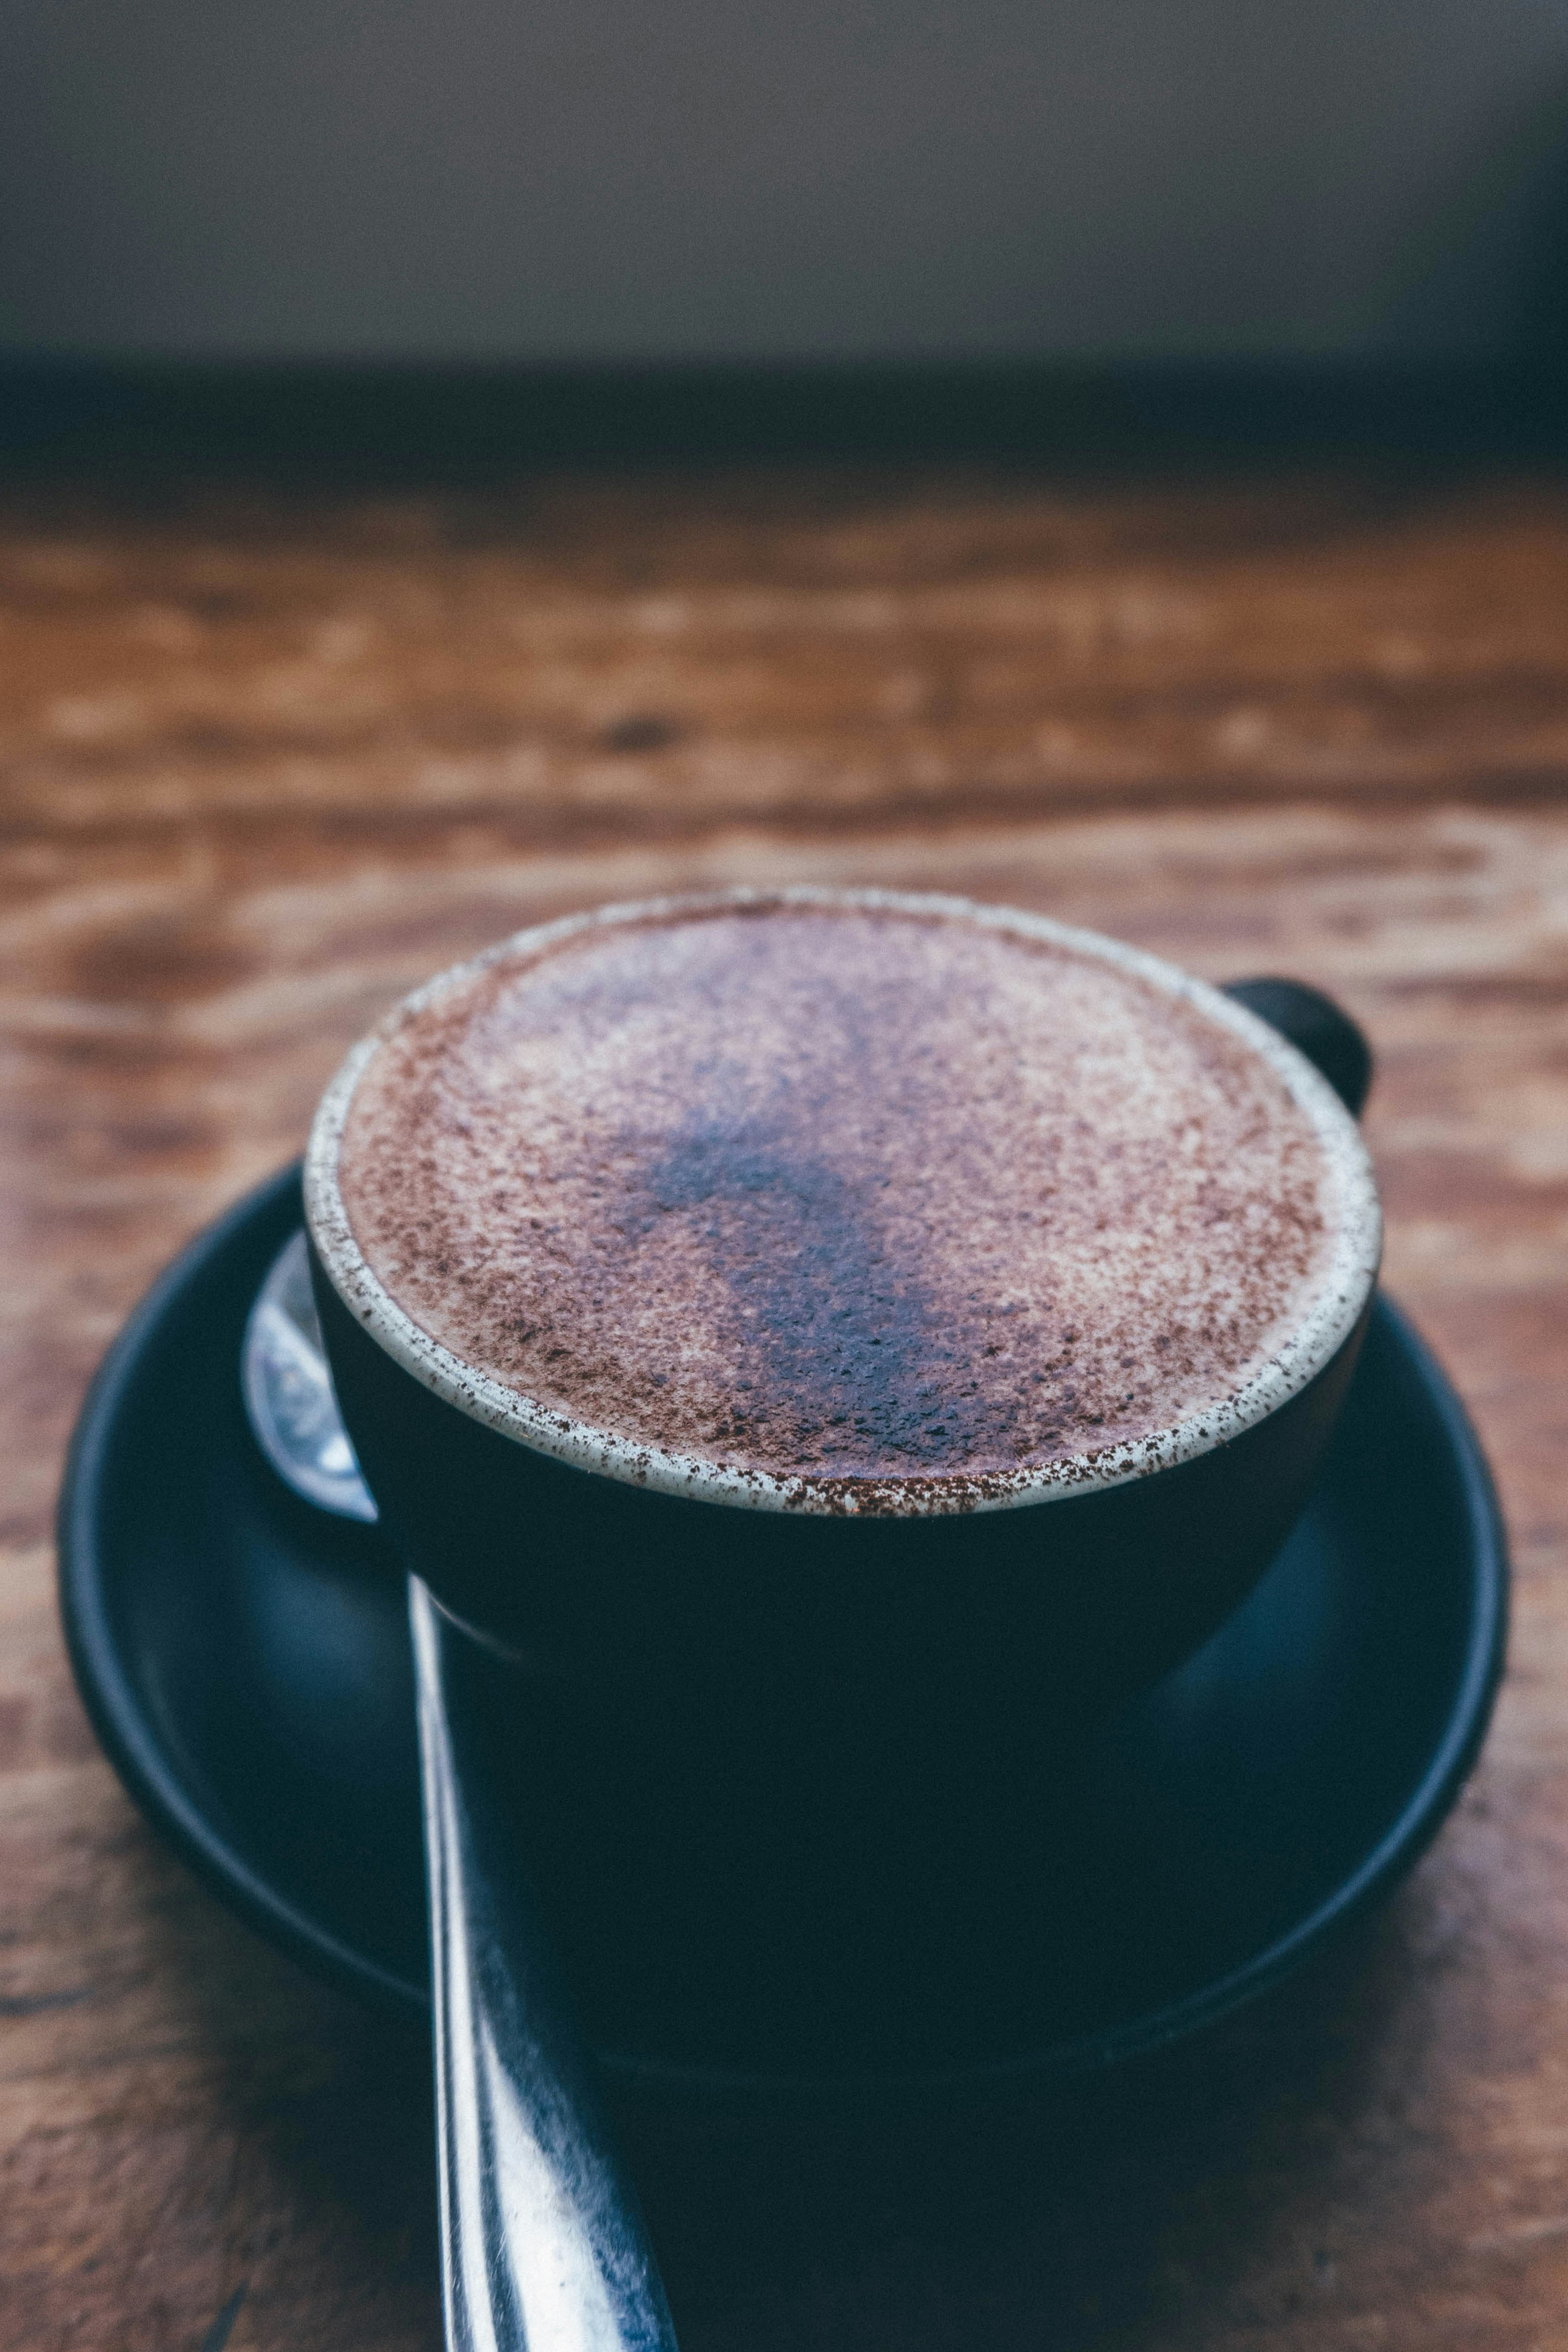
(1316, 1026)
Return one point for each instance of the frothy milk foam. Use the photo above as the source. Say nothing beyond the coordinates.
(843, 1200)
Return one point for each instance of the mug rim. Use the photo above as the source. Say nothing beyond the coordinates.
(1329, 1319)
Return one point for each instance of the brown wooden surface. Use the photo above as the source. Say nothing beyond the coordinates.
(267, 762)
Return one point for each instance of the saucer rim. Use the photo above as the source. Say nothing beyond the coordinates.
(153, 1778)
(104, 1686)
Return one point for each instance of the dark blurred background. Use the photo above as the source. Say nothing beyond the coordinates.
(1138, 190)
(606, 180)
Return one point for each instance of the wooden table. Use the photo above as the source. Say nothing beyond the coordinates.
(269, 759)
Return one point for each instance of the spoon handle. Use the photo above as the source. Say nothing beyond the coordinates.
(543, 2249)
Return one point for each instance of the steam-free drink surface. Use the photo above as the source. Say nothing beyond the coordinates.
(835, 1192)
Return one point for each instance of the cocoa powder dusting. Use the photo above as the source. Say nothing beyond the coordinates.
(837, 1194)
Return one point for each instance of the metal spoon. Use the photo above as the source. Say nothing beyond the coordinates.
(543, 2248)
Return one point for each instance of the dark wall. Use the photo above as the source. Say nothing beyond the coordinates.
(611, 179)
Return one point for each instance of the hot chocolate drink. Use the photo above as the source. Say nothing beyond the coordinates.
(836, 1348)
(847, 1202)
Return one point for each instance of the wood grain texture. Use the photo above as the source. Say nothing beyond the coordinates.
(268, 760)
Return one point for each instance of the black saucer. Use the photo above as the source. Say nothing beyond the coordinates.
(245, 1660)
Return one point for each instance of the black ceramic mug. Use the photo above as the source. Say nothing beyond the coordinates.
(700, 1672)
